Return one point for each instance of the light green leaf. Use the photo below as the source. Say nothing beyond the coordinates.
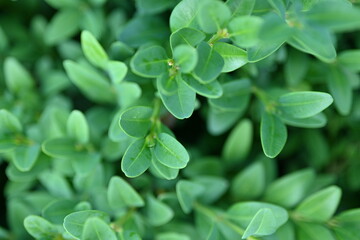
(136, 159)
(317, 121)
(244, 30)
(210, 90)
(311, 231)
(186, 58)
(9, 123)
(238, 143)
(262, 224)
(77, 127)
(74, 222)
(91, 83)
(97, 229)
(170, 152)
(162, 170)
(350, 59)
(166, 84)
(57, 210)
(127, 93)
(62, 3)
(187, 192)
(213, 15)
(61, 148)
(172, 236)
(209, 65)
(240, 7)
(17, 78)
(150, 62)
(187, 36)
(273, 135)
(184, 15)
(121, 194)
(234, 57)
(24, 157)
(181, 103)
(157, 212)
(321, 205)
(290, 189)
(117, 71)
(92, 49)
(340, 88)
(304, 104)
(7, 145)
(40, 228)
(215, 188)
(136, 121)
(56, 184)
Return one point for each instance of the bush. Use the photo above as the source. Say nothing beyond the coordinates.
(162, 119)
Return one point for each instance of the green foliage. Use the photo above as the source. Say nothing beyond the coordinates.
(180, 119)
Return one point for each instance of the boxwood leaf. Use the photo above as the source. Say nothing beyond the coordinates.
(17, 78)
(317, 121)
(213, 15)
(234, 57)
(136, 159)
(121, 194)
(296, 67)
(150, 62)
(7, 145)
(340, 88)
(348, 224)
(166, 84)
(91, 83)
(215, 188)
(209, 90)
(240, 7)
(170, 152)
(290, 189)
(273, 134)
(97, 229)
(61, 148)
(321, 205)
(77, 127)
(186, 58)
(304, 104)
(117, 71)
(24, 157)
(136, 121)
(181, 103)
(154, 6)
(9, 123)
(127, 93)
(162, 170)
(209, 65)
(187, 36)
(244, 30)
(262, 224)
(219, 120)
(39, 227)
(350, 59)
(184, 15)
(157, 212)
(74, 222)
(57, 210)
(311, 231)
(92, 49)
(187, 192)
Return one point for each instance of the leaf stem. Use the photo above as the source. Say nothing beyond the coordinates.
(222, 33)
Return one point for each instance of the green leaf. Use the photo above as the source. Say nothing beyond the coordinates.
(317, 121)
(39, 227)
(213, 15)
(56, 184)
(215, 188)
(121, 194)
(273, 135)
(187, 192)
(186, 58)
(238, 143)
(17, 78)
(93, 51)
(57, 210)
(166, 84)
(171, 236)
(136, 121)
(240, 7)
(62, 3)
(162, 170)
(137, 159)
(250, 183)
(348, 224)
(97, 229)
(127, 93)
(117, 71)
(244, 30)
(304, 104)
(7, 145)
(91, 83)
(184, 15)
(61, 148)
(187, 36)
(340, 88)
(157, 212)
(150, 62)
(181, 103)
(296, 67)
(210, 90)
(290, 189)
(321, 205)
(74, 223)
(154, 6)
(235, 97)
(234, 57)
(311, 231)
(350, 59)
(9, 123)
(219, 120)
(24, 157)
(262, 224)
(243, 212)
(62, 26)
(209, 65)
(170, 152)
(77, 127)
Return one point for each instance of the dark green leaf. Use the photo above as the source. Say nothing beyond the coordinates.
(154, 6)
(97, 229)
(184, 15)
(317, 121)
(57, 210)
(187, 192)
(157, 212)
(24, 157)
(311, 231)
(40, 228)
(162, 170)
(350, 59)
(136, 121)
(240, 7)
(187, 36)
(234, 57)
(9, 123)
(210, 90)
